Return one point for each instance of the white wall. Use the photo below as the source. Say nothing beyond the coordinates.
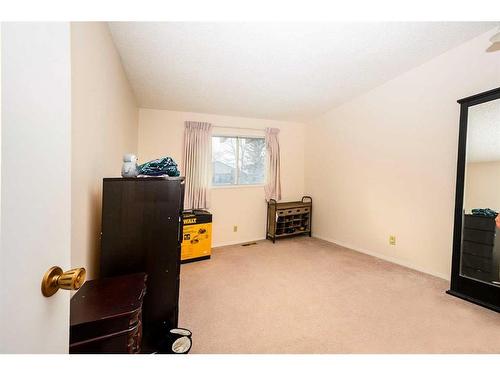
(385, 162)
(36, 185)
(482, 185)
(161, 134)
(104, 120)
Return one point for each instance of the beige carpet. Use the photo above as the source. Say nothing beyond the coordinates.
(305, 295)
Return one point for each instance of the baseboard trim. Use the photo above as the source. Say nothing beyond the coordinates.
(397, 261)
(238, 242)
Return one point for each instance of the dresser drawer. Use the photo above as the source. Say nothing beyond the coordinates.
(478, 263)
(104, 327)
(123, 342)
(293, 211)
(479, 222)
(477, 249)
(476, 274)
(287, 212)
(479, 236)
(106, 315)
(301, 210)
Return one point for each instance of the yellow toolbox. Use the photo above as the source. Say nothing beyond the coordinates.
(196, 236)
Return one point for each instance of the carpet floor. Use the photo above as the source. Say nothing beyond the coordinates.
(304, 295)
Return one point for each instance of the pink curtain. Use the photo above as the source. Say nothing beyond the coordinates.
(196, 162)
(273, 186)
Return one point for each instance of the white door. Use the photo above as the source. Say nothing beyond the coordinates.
(35, 185)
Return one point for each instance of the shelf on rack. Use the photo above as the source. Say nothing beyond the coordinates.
(291, 234)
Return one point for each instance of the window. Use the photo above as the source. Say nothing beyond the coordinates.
(238, 161)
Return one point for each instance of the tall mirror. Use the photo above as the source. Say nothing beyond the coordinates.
(480, 256)
(476, 243)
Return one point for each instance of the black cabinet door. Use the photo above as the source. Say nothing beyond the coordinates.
(141, 226)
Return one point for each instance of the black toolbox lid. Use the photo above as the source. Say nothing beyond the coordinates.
(200, 216)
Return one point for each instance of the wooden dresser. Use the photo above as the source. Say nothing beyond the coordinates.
(480, 249)
(142, 232)
(106, 315)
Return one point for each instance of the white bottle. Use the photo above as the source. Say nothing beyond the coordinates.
(129, 168)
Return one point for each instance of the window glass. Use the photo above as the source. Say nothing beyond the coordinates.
(238, 160)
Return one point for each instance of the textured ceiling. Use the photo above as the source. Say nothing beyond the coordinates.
(483, 132)
(287, 71)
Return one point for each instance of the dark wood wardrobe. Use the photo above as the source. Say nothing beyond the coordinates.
(142, 232)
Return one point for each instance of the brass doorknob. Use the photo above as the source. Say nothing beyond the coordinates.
(55, 279)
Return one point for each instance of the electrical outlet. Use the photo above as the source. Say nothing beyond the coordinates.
(235, 228)
(392, 240)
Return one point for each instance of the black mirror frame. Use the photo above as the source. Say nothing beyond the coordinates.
(474, 291)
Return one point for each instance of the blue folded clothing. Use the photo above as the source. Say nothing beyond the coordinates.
(485, 212)
(159, 167)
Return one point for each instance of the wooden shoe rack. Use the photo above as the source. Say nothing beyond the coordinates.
(288, 218)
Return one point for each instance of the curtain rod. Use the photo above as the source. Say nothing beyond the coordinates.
(235, 127)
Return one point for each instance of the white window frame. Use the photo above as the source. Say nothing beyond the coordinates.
(238, 186)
